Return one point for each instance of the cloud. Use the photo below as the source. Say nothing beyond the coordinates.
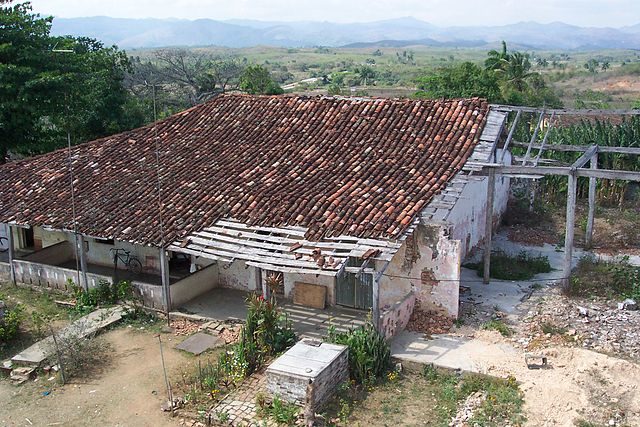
(598, 13)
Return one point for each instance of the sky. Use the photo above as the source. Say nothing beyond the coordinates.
(595, 13)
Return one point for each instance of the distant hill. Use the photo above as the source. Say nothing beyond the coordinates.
(149, 33)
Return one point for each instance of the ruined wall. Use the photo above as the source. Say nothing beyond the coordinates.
(395, 318)
(427, 264)
(5, 272)
(4, 230)
(467, 217)
(56, 254)
(98, 253)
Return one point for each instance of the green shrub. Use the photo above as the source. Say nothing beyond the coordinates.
(498, 325)
(281, 412)
(610, 279)
(369, 352)
(10, 324)
(103, 294)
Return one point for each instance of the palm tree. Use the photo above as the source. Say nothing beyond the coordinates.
(516, 70)
(496, 59)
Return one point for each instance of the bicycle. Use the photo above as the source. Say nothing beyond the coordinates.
(132, 263)
(4, 241)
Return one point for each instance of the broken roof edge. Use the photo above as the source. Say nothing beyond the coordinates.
(283, 249)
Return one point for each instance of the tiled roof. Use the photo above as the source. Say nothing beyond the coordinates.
(337, 166)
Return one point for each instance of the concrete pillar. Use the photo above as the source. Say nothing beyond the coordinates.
(11, 253)
(166, 284)
(83, 262)
(488, 228)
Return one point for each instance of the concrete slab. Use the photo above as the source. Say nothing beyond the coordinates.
(83, 327)
(448, 351)
(199, 343)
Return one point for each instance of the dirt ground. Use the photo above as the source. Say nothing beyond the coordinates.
(128, 392)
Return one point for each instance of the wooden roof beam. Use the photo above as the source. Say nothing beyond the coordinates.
(585, 158)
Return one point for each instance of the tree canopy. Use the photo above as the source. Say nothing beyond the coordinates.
(506, 78)
(256, 80)
(53, 85)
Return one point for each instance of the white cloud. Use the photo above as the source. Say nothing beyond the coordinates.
(599, 13)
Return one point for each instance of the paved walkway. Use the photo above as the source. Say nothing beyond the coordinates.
(224, 304)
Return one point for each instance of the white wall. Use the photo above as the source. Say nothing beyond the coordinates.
(194, 285)
(469, 213)
(99, 254)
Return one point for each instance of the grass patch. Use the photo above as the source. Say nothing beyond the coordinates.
(430, 397)
(283, 413)
(498, 325)
(550, 328)
(520, 267)
(608, 279)
(38, 313)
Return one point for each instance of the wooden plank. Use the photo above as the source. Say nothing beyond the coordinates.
(296, 231)
(309, 295)
(544, 140)
(585, 158)
(283, 269)
(488, 230)
(198, 253)
(12, 253)
(570, 230)
(533, 138)
(582, 148)
(592, 204)
(567, 111)
(510, 136)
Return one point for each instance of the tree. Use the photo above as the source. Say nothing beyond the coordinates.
(460, 81)
(496, 59)
(366, 74)
(256, 80)
(605, 65)
(54, 85)
(515, 70)
(592, 66)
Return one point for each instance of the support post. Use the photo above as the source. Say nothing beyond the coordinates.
(588, 240)
(488, 228)
(12, 253)
(375, 306)
(83, 261)
(166, 285)
(570, 229)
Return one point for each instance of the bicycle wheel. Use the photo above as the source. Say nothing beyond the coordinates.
(134, 266)
(3, 244)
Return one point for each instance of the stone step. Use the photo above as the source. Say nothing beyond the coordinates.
(5, 368)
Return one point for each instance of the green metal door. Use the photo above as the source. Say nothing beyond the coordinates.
(354, 290)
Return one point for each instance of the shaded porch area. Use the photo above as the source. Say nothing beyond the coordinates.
(223, 304)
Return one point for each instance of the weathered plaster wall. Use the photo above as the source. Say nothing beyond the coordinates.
(428, 264)
(5, 272)
(395, 318)
(49, 238)
(194, 285)
(98, 253)
(467, 217)
(238, 275)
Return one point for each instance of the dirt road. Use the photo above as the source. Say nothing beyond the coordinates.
(128, 392)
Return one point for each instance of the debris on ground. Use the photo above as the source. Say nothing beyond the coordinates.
(467, 409)
(429, 322)
(598, 324)
(184, 327)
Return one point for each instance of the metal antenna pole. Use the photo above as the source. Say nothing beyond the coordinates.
(73, 208)
(163, 267)
(166, 379)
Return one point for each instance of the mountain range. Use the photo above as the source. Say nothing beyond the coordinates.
(152, 33)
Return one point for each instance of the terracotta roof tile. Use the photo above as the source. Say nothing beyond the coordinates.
(337, 166)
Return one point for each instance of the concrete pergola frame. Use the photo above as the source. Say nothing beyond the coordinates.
(530, 169)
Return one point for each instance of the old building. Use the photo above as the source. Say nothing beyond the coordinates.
(365, 203)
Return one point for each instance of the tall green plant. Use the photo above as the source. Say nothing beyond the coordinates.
(369, 352)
